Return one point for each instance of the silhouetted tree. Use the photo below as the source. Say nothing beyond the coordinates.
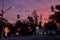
(31, 23)
(18, 25)
(56, 16)
(35, 17)
(6, 24)
(50, 26)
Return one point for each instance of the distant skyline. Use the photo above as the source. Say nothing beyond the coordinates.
(26, 7)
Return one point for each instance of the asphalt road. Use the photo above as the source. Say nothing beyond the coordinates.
(36, 37)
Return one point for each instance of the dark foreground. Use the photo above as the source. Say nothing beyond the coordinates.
(36, 37)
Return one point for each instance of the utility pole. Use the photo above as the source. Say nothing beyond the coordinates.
(2, 18)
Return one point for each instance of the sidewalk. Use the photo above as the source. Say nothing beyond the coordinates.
(35, 37)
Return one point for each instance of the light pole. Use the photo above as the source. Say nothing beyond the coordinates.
(2, 18)
(2, 13)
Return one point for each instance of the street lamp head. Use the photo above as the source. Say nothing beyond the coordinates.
(11, 7)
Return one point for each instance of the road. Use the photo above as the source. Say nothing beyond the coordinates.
(36, 37)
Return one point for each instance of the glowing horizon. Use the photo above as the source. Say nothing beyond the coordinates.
(26, 7)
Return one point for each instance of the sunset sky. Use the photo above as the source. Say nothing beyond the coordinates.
(26, 7)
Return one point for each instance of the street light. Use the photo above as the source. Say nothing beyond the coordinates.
(2, 17)
(2, 13)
